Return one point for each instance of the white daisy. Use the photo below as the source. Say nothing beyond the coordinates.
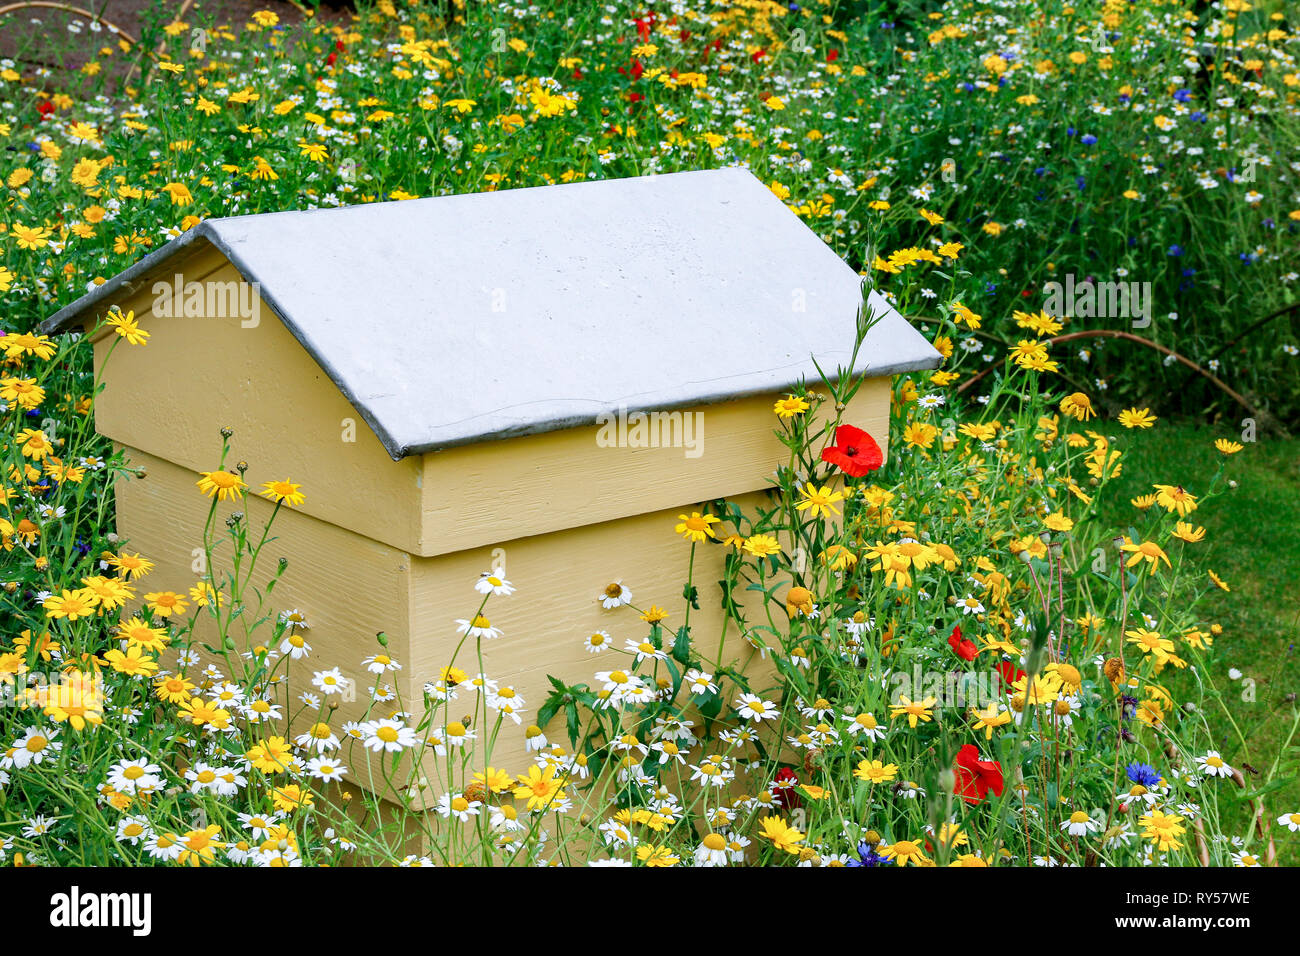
(614, 595)
(489, 582)
(1290, 820)
(753, 707)
(32, 747)
(132, 830)
(331, 681)
(294, 645)
(643, 650)
(1212, 765)
(391, 736)
(478, 627)
(323, 768)
(378, 663)
(458, 806)
(712, 851)
(1079, 823)
(132, 775)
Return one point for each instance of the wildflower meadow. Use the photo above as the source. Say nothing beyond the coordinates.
(1046, 621)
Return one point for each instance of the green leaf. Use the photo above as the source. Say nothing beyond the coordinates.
(571, 722)
(682, 645)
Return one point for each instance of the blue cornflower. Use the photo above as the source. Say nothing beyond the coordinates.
(1143, 773)
(868, 856)
(1175, 250)
(1183, 95)
(1088, 139)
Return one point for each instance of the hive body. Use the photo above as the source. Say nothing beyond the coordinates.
(455, 383)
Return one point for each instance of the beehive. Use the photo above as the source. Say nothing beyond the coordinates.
(440, 375)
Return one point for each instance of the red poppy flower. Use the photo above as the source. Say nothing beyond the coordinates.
(963, 648)
(45, 108)
(1009, 673)
(832, 56)
(975, 777)
(783, 792)
(854, 452)
(635, 72)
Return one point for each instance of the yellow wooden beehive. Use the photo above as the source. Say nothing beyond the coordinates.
(457, 383)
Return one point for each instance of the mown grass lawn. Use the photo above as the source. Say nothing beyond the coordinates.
(1253, 543)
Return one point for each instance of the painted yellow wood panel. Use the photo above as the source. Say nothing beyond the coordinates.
(479, 494)
(559, 578)
(172, 397)
(349, 587)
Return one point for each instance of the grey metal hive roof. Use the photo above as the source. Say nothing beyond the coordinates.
(649, 293)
